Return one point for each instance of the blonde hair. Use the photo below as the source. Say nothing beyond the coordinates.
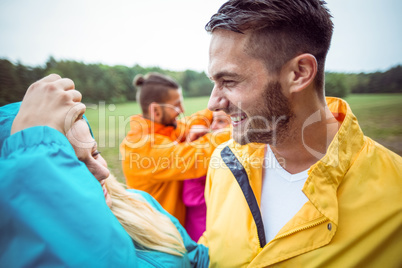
(147, 227)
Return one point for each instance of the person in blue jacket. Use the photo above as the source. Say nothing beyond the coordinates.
(53, 210)
(164, 240)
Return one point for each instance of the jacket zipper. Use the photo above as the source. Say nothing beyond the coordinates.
(315, 223)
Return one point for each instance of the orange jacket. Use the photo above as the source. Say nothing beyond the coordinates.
(156, 158)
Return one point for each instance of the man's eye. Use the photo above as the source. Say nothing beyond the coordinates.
(229, 83)
(95, 153)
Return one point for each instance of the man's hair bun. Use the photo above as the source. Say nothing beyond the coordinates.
(138, 80)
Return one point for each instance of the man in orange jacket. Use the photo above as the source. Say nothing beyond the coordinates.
(159, 151)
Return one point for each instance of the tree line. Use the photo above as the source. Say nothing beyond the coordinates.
(113, 84)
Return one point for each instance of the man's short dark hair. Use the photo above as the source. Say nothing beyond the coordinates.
(153, 87)
(280, 29)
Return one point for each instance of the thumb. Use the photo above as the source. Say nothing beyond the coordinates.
(75, 113)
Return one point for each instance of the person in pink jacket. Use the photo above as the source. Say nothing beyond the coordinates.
(193, 190)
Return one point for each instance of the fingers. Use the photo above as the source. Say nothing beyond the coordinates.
(57, 82)
(80, 109)
(51, 101)
(50, 78)
(65, 83)
(75, 95)
(74, 113)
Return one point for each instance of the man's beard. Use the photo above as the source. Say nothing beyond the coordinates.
(169, 122)
(269, 124)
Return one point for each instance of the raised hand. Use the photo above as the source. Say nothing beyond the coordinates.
(51, 101)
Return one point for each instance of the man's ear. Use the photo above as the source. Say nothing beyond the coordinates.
(299, 72)
(155, 112)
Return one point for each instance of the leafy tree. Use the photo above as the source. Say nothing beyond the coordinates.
(335, 85)
(10, 85)
(98, 82)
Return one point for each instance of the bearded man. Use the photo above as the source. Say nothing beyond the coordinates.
(160, 151)
(300, 185)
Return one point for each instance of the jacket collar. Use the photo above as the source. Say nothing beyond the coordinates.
(145, 126)
(325, 175)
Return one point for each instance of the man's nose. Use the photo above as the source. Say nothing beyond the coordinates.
(181, 108)
(217, 101)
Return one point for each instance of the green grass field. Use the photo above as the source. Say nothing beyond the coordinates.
(379, 115)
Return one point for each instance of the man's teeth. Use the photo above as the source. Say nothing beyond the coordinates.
(237, 118)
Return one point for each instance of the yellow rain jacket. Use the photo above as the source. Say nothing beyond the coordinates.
(156, 158)
(353, 217)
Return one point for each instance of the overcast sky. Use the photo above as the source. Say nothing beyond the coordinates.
(170, 33)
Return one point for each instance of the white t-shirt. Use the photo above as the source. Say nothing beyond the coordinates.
(281, 196)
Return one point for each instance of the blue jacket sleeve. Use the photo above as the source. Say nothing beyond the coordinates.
(196, 253)
(7, 115)
(53, 209)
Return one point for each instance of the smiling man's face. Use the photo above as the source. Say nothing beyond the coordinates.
(245, 90)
